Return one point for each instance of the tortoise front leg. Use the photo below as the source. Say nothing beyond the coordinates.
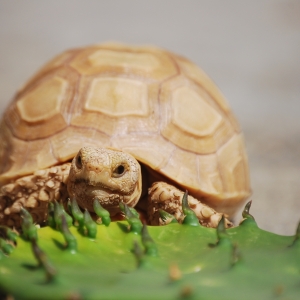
(168, 198)
(33, 192)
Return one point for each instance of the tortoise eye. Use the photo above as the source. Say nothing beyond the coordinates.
(119, 171)
(78, 162)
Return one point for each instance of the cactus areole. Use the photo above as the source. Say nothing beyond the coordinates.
(141, 124)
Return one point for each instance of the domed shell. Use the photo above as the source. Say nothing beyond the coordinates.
(154, 104)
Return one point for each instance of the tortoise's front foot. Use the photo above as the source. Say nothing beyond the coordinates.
(168, 198)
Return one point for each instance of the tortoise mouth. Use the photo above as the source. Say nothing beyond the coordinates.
(92, 187)
(86, 193)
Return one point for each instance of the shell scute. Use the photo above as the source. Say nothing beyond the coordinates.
(142, 64)
(43, 107)
(156, 105)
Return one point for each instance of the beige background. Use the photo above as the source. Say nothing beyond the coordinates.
(250, 48)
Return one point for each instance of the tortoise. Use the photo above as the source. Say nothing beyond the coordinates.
(120, 111)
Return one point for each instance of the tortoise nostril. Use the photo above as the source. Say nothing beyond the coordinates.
(92, 166)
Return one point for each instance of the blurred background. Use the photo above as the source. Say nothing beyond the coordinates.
(251, 49)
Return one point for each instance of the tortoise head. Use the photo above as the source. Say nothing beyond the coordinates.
(111, 176)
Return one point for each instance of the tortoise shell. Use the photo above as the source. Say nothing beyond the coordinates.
(154, 104)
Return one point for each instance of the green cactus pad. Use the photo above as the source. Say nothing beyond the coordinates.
(244, 263)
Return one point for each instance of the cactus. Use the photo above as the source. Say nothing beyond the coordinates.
(129, 260)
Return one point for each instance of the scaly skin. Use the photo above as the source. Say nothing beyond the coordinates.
(168, 198)
(128, 261)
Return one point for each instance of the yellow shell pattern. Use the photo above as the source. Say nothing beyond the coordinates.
(154, 104)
